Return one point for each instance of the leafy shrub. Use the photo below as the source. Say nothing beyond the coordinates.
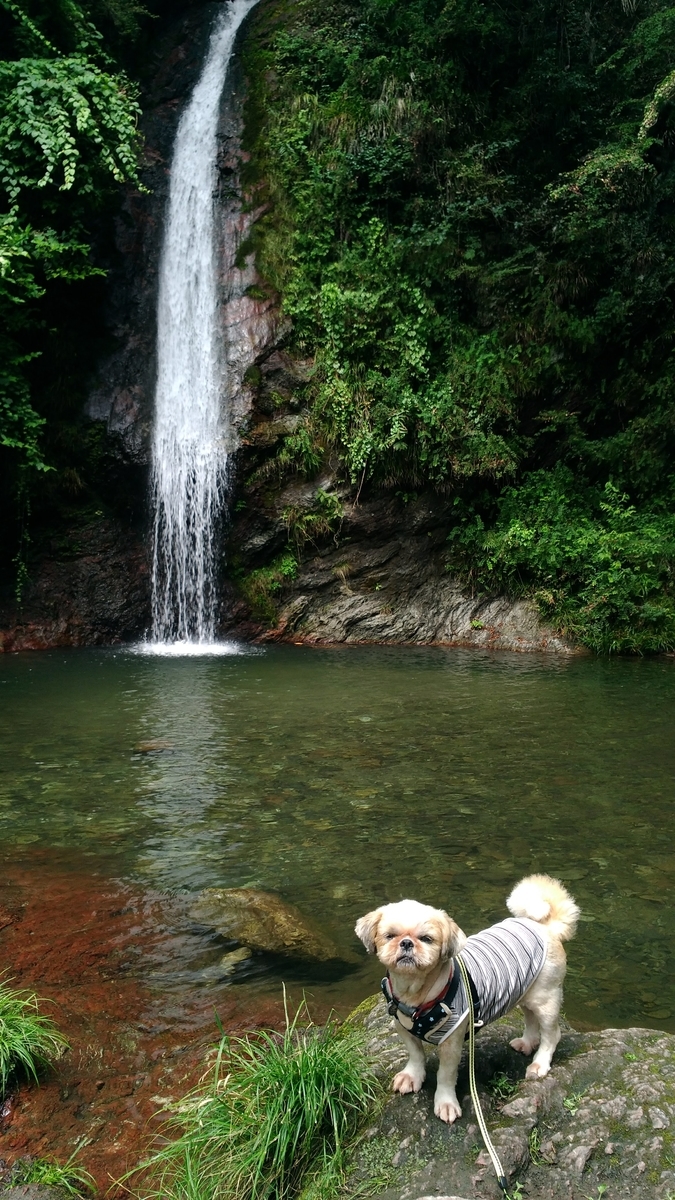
(322, 518)
(261, 586)
(68, 135)
(275, 1118)
(502, 1086)
(600, 569)
(470, 231)
(28, 1040)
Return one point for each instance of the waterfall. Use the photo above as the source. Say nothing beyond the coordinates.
(189, 443)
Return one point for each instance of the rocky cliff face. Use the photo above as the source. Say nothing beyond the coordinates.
(356, 567)
(323, 561)
(380, 576)
(90, 584)
(91, 589)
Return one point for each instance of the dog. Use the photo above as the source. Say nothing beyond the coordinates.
(519, 961)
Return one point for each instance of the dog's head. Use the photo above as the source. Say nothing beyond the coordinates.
(409, 937)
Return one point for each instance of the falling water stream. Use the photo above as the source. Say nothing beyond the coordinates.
(190, 437)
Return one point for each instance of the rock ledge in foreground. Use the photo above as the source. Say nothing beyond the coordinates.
(603, 1118)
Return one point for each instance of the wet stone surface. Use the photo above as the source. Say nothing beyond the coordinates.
(30, 1191)
(599, 1125)
(263, 921)
(381, 577)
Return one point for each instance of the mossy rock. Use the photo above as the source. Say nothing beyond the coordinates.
(602, 1123)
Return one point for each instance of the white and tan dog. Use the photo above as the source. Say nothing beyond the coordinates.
(519, 961)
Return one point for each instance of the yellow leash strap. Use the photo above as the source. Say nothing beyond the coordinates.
(499, 1170)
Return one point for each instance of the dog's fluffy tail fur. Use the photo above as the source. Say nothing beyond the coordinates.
(545, 900)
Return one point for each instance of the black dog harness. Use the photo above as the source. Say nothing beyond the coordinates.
(434, 1021)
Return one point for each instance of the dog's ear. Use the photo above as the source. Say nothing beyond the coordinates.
(449, 932)
(366, 929)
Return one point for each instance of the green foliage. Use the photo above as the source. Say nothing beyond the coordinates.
(261, 586)
(320, 520)
(28, 1040)
(301, 453)
(502, 1086)
(534, 1147)
(470, 223)
(600, 569)
(516, 1192)
(68, 135)
(70, 1178)
(274, 1121)
(65, 122)
(27, 256)
(572, 1102)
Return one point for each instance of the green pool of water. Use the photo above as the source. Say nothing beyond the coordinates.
(343, 778)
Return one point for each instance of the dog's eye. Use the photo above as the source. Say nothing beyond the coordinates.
(425, 938)
(389, 936)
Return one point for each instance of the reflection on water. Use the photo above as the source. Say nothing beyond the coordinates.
(182, 746)
(344, 778)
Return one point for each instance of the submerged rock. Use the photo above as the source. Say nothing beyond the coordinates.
(153, 747)
(231, 960)
(263, 921)
(599, 1124)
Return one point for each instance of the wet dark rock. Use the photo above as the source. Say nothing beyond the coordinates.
(382, 577)
(600, 1120)
(263, 921)
(91, 589)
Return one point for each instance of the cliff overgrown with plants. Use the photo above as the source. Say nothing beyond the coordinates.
(472, 225)
(68, 138)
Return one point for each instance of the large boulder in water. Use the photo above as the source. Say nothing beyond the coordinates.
(263, 921)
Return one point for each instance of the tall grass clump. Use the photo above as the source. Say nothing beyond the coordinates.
(28, 1040)
(274, 1119)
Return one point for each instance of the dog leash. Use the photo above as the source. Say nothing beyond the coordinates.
(494, 1157)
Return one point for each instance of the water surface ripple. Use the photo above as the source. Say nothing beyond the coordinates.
(346, 777)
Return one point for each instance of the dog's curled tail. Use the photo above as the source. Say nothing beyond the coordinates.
(545, 900)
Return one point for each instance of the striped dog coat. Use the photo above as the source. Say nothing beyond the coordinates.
(502, 963)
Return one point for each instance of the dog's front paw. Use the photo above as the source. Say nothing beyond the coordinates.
(523, 1046)
(536, 1071)
(447, 1108)
(406, 1082)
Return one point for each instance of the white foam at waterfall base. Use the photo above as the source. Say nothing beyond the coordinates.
(194, 649)
(190, 435)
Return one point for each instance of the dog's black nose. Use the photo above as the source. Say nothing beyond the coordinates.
(406, 943)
